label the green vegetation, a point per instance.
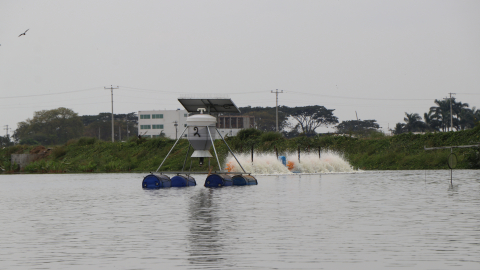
(377, 152)
(440, 118)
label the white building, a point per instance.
(152, 123)
(230, 125)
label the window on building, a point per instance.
(185, 125)
(157, 126)
(146, 136)
(144, 116)
(240, 122)
(145, 127)
(157, 116)
(185, 115)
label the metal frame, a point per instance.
(171, 149)
(230, 150)
(451, 152)
(214, 149)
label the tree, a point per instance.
(47, 127)
(441, 113)
(467, 118)
(5, 141)
(311, 117)
(361, 127)
(399, 129)
(414, 123)
(100, 126)
(431, 123)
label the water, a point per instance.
(269, 164)
(362, 220)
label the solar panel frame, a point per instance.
(212, 105)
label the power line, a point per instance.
(320, 95)
(50, 94)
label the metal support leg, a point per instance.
(186, 156)
(214, 150)
(171, 150)
(230, 150)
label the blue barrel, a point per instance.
(183, 181)
(152, 181)
(283, 159)
(218, 180)
(244, 180)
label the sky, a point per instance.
(371, 59)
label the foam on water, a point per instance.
(265, 163)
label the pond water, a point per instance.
(374, 219)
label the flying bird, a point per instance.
(23, 34)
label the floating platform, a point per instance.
(213, 180)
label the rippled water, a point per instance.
(368, 220)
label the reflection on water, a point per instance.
(204, 235)
(374, 220)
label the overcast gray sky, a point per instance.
(379, 58)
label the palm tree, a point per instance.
(413, 122)
(441, 113)
(430, 122)
(399, 129)
(459, 108)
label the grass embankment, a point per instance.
(401, 152)
(92, 155)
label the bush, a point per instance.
(271, 136)
(248, 133)
(86, 141)
(71, 141)
(29, 141)
(59, 151)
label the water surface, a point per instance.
(388, 219)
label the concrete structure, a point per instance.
(23, 160)
(152, 123)
(230, 125)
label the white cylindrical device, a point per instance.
(198, 135)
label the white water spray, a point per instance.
(269, 164)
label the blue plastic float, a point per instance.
(221, 180)
(244, 180)
(183, 181)
(153, 181)
(218, 180)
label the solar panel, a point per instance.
(214, 105)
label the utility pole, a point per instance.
(175, 123)
(451, 112)
(8, 138)
(126, 121)
(276, 94)
(6, 128)
(111, 89)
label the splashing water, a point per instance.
(264, 163)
